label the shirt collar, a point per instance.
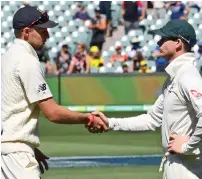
(28, 47)
(178, 62)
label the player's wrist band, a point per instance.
(92, 118)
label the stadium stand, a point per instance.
(74, 31)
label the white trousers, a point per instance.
(19, 165)
(183, 167)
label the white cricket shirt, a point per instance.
(178, 110)
(23, 84)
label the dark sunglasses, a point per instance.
(42, 19)
(165, 39)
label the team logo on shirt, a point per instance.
(196, 94)
(42, 87)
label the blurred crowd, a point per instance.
(88, 59)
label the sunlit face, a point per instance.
(118, 50)
(143, 68)
(167, 47)
(80, 49)
(95, 54)
(36, 36)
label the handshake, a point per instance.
(97, 123)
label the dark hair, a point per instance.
(64, 46)
(139, 56)
(187, 47)
(83, 46)
(17, 33)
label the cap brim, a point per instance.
(164, 32)
(159, 32)
(48, 24)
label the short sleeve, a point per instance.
(33, 80)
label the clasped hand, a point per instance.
(99, 124)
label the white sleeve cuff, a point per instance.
(187, 150)
(111, 123)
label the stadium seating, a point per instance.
(72, 31)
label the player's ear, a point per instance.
(26, 31)
(179, 44)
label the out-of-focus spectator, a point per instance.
(130, 14)
(79, 62)
(161, 63)
(98, 26)
(44, 60)
(135, 43)
(179, 10)
(62, 61)
(125, 68)
(94, 57)
(135, 64)
(157, 6)
(198, 54)
(144, 68)
(105, 8)
(148, 7)
(118, 56)
(82, 14)
(195, 4)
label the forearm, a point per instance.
(138, 123)
(62, 115)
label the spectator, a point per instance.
(94, 57)
(135, 64)
(149, 5)
(82, 14)
(195, 4)
(199, 56)
(62, 61)
(135, 43)
(125, 68)
(157, 6)
(44, 60)
(98, 26)
(26, 3)
(130, 14)
(161, 63)
(79, 62)
(118, 56)
(178, 10)
(144, 68)
(105, 8)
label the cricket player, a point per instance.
(178, 110)
(24, 93)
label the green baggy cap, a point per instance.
(178, 29)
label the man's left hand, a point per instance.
(41, 158)
(175, 143)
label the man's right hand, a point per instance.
(100, 123)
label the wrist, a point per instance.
(90, 119)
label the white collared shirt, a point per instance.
(23, 85)
(178, 110)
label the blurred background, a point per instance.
(103, 56)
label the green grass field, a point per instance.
(75, 140)
(136, 172)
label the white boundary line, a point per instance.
(102, 157)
